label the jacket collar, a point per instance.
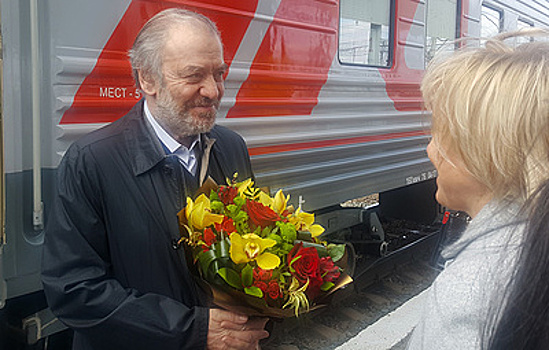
(147, 148)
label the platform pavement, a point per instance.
(389, 332)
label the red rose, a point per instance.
(261, 285)
(262, 275)
(227, 194)
(227, 226)
(261, 215)
(306, 267)
(328, 270)
(273, 290)
(209, 236)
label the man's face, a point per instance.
(186, 101)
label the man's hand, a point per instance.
(228, 330)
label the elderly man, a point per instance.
(110, 269)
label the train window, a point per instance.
(491, 21)
(441, 25)
(364, 32)
(522, 24)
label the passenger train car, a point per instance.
(325, 93)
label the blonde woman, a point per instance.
(490, 145)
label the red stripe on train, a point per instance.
(108, 92)
(465, 17)
(292, 63)
(257, 151)
(402, 82)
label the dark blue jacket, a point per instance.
(110, 271)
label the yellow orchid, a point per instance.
(199, 215)
(280, 202)
(251, 247)
(305, 222)
(265, 199)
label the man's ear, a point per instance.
(147, 83)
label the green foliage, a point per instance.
(239, 202)
(305, 236)
(232, 210)
(242, 227)
(292, 262)
(286, 247)
(247, 275)
(255, 291)
(326, 286)
(240, 217)
(336, 251)
(275, 237)
(266, 231)
(217, 206)
(231, 277)
(287, 231)
(214, 196)
(218, 256)
(205, 259)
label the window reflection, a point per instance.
(364, 32)
(441, 26)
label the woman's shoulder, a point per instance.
(497, 226)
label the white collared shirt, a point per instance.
(187, 156)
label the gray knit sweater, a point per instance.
(479, 265)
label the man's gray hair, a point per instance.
(146, 52)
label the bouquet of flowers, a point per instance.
(256, 253)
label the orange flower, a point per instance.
(227, 226)
(209, 237)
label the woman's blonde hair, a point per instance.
(490, 107)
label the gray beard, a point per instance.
(178, 120)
